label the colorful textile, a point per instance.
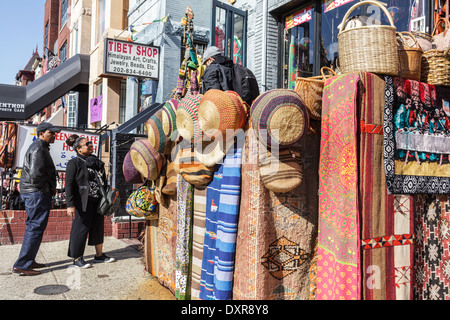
(184, 234)
(386, 220)
(338, 265)
(209, 247)
(277, 231)
(417, 137)
(166, 242)
(198, 239)
(227, 223)
(151, 256)
(432, 250)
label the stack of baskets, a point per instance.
(436, 62)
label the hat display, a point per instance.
(209, 153)
(217, 112)
(169, 119)
(280, 173)
(171, 180)
(130, 173)
(279, 117)
(43, 126)
(211, 52)
(146, 159)
(187, 118)
(156, 134)
(192, 170)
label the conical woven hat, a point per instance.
(146, 159)
(187, 118)
(169, 119)
(217, 113)
(280, 173)
(241, 107)
(130, 173)
(279, 117)
(156, 134)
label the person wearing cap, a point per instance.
(218, 72)
(37, 187)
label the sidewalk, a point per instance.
(125, 279)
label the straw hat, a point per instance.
(282, 114)
(280, 173)
(169, 116)
(217, 112)
(156, 134)
(242, 108)
(130, 173)
(146, 159)
(191, 169)
(187, 118)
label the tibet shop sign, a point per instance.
(130, 59)
(60, 152)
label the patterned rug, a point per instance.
(277, 232)
(432, 251)
(198, 240)
(387, 221)
(166, 242)
(185, 192)
(338, 264)
(417, 137)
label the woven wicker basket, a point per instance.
(436, 65)
(368, 48)
(410, 57)
(311, 89)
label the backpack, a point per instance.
(244, 83)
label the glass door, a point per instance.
(229, 27)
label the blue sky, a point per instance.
(22, 24)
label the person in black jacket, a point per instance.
(218, 72)
(37, 187)
(82, 197)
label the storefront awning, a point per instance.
(20, 103)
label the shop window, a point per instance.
(230, 25)
(123, 101)
(298, 48)
(408, 15)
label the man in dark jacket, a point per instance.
(219, 70)
(37, 187)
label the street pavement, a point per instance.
(124, 279)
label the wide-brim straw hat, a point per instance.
(156, 134)
(146, 159)
(279, 117)
(280, 172)
(169, 119)
(242, 108)
(130, 173)
(187, 122)
(217, 112)
(209, 153)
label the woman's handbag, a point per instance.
(110, 200)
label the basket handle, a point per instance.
(447, 25)
(409, 34)
(328, 69)
(374, 2)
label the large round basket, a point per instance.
(368, 48)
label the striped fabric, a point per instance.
(209, 248)
(227, 223)
(198, 239)
(184, 233)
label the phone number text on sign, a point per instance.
(130, 59)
